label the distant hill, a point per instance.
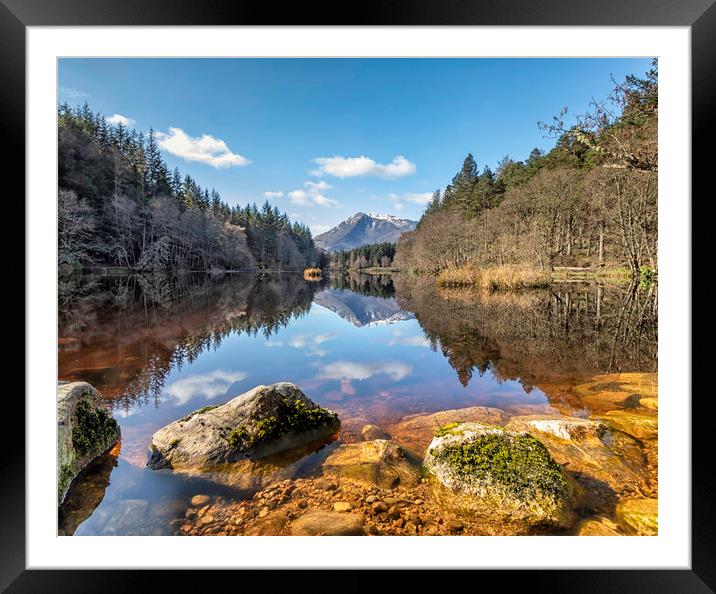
(363, 229)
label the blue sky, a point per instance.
(325, 138)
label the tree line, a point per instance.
(118, 204)
(590, 201)
(366, 256)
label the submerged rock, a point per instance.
(261, 422)
(511, 476)
(85, 430)
(380, 463)
(619, 390)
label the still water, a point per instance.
(373, 348)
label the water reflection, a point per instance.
(374, 349)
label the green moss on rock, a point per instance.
(445, 429)
(519, 463)
(93, 430)
(292, 416)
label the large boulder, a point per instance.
(85, 430)
(261, 422)
(510, 476)
(379, 463)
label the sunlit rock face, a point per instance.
(261, 422)
(85, 430)
(487, 470)
(380, 463)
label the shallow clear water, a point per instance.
(160, 348)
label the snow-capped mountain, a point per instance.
(363, 229)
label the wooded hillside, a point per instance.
(120, 205)
(590, 201)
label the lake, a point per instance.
(374, 348)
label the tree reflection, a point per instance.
(125, 335)
(568, 331)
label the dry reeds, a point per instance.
(498, 278)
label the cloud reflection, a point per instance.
(350, 370)
(210, 385)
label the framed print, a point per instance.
(421, 281)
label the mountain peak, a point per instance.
(363, 229)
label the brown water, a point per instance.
(375, 349)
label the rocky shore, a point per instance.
(474, 471)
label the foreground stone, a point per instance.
(326, 523)
(85, 430)
(261, 422)
(639, 516)
(511, 476)
(380, 463)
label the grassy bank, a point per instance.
(499, 278)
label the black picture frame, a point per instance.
(700, 15)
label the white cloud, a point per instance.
(204, 149)
(72, 93)
(299, 197)
(350, 370)
(318, 186)
(322, 200)
(356, 166)
(400, 200)
(210, 385)
(118, 118)
(273, 194)
(312, 195)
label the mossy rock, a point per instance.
(264, 421)
(484, 469)
(639, 516)
(85, 430)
